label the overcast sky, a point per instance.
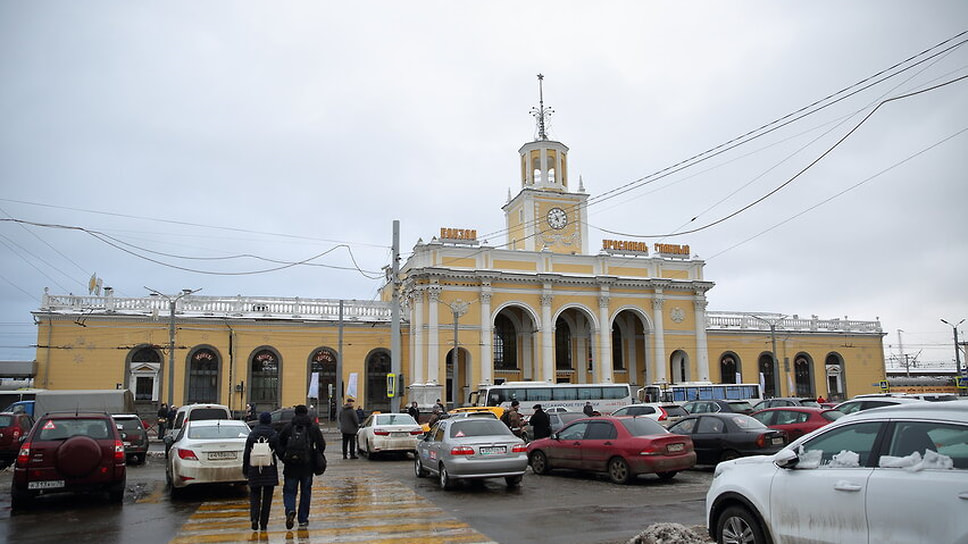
(286, 130)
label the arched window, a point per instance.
(323, 364)
(768, 370)
(563, 360)
(144, 382)
(729, 368)
(264, 380)
(618, 360)
(505, 344)
(803, 370)
(377, 368)
(203, 376)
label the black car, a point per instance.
(723, 436)
(281, 418)
(133, 435)
(718, 405)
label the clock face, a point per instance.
(557, 218)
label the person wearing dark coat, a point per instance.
(262, 480)
(540, 423)
(349, 423)
(298, 477)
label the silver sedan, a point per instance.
(471, 448)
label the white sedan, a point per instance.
(384, 433)
(205, 452)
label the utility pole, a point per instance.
(772, 325)
(395, 364)
(900, 347)
(172, 304)
(459, 308)
(958, 369)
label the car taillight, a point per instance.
(520, 448)
(663, 415)
(187, 454)
(462, 450)
(16, 433)
(24, 456)
(119, 451)
(381, 432)
(649, 450)
(417, 432)
(761, 441)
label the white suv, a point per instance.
(892, 474)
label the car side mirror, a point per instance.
(786, 458)
(554, 436)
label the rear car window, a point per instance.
(675, 411)
(394, 419)
(643, 426)
(478, 427)
(129, 424)
(6, 421)
(741, 405)
(207, 413)
(218, 431)
(61, 429)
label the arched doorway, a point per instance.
(264, 379)
(768, 375)
(803, 373)
(377, 368)
(322, 365)
(144, 364)
(729, 368)
(203, 373)
(630, 347)
(836, 381)
(575, 347)
(458, 385)
(679, 366)
(513, 344)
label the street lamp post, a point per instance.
(772, 325)
(459, 308)
(172, 304)
(957, 353)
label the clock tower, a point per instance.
(544, 214)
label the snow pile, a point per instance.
(914, 462)
(671, 533)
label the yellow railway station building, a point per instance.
(541, 306)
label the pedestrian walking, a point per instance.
(299, 443)
(414, 411)
(540, 423)
(514, 420)
(172, 410)
(349, 423)
(162, 419)
(259, 466)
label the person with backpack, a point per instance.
(259, 466)
(349, 423)
(301, 443)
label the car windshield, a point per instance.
(61, 429)
(746, 422)
(394, 419)
(198, 414)
(129, 424)
(643, 426)
(218, 431)
(478, 427)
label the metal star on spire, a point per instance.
(541, 113)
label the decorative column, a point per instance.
(660, 358)
(603, 372)
(433, 335)
(487, 336)
(702, 349)
(547, 338)
(416, 331)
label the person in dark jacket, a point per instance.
(414, 411)
(588, 410)
(349, 423)
(299, 476)
(262, 480)
(540, 423)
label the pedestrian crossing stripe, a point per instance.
(347, 507)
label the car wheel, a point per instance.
(737, 525)
(20, 499)
(418, 469)
(446, 482)
(666, 476)
(116, 492)
(141, 458)
(512, 481)
(618, 471)
(728, 455)
(539, 463)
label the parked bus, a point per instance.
(605, 397)
(686, 391)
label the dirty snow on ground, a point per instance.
(671, 533)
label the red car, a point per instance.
(622, 447)
(12, 427)
(796, 421)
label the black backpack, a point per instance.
(298, 448)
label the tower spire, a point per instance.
(541, 113)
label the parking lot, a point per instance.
(371, 501)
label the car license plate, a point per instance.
(400, 434)
(491, 450)
(127, 443)
(778, 441)
(221, 455)
(676, 447)
(46, 484)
